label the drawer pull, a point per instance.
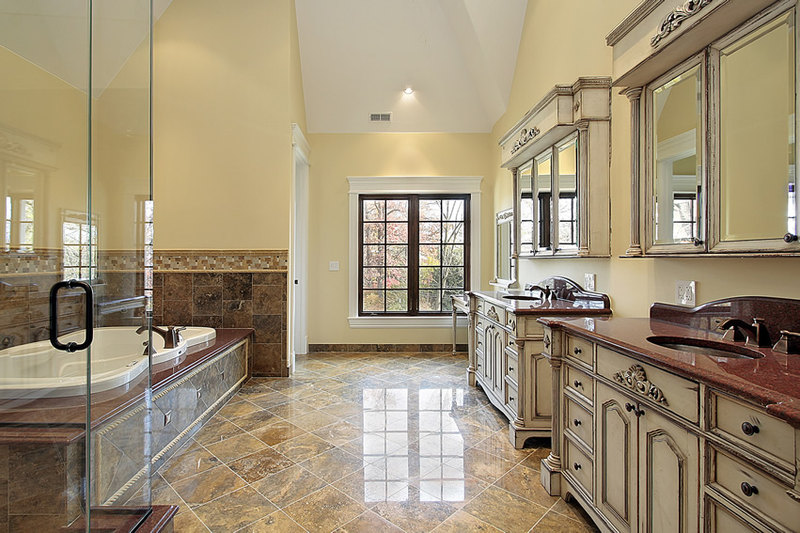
(749, 429)
(576, 466)
(748, 489)
(511, 369)
(577, 351)
(577, 384)
(510, 398)
(576, 422)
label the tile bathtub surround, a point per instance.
(229, 300)
(361, 442)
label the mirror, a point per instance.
(526, 221)
(568, 194)
(676, 133)
(505, 273)
(757, 131)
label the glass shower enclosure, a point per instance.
(75, 264)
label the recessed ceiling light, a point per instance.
(408, 90)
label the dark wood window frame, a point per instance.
(413, 250)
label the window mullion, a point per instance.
(413, 254)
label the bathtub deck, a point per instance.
(62, 420)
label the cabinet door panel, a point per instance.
(544, 386)
(668, 476)
(616, 458)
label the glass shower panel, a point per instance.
(75, 181)
(44, 132)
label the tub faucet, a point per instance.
(171, 335)
(755, 334)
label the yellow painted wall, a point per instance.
(223, 109)
(298, 101)
(633, 284)
(38, 105)
(337, 156)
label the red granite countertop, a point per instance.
(64, 419)
(772, 381)
(580, 306)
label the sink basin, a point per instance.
(520, 297)
(706, 347)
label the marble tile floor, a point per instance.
(361, 442)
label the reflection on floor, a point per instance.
(361, 442)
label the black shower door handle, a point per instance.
(71, 346)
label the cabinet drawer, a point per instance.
(579, 383)
(511, 322)
(578, 465)
(722, 520)
(766, 495)
(642, 380)
(579, 421)
(512, 365)
(495, 313)
(511, 345)
(733, 421)
(579, 349)
(512, 397)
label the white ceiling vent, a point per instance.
(380, 117)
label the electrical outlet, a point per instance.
(589, 281)
(167, 418)
(685, 292)
(333, 266)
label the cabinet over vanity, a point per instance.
(668, 424)
(506, 345)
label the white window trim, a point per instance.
(412, 185)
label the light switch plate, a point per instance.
(333, 266)
(685, 292)
(589, 281)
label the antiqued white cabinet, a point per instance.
(645, 450)
(506, 350)
(647, 468)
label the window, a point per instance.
(414, 253)
(18, 226)
(79, 238)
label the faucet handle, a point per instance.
(789, 343)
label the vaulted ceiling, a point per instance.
(357, 56)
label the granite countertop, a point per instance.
(579, 306)
(772, 381)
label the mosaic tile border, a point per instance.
(393, 348)
(228, 260)
(49, 260)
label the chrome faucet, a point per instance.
(171, 335)
(755, 334)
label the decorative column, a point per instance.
(523, 362)
(635, 95)
(583, 187)
(471, 344)
(514, 225)
(551, 465)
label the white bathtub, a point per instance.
(37, 370)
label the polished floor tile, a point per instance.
(389, 442)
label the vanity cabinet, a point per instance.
(511, 369)
(506, 351)
(644, 449)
